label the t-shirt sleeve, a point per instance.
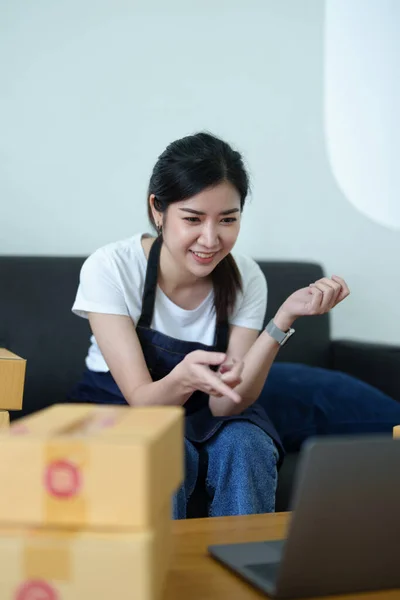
(99, 289)
(251, 304)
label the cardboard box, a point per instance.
(80, 565)
(12, 380)
(91, 466)
(4, 419)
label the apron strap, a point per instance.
(149, 298)
(150, 284)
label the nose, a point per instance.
(208, 237)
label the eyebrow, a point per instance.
(230, 211)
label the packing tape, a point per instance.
(102, 419)
(47, 556)
(65, 466)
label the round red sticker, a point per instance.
(62, 479)
(36, 590)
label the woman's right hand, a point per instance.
(194, 373)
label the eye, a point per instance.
(191, 219)
(229, 220)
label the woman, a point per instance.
(176, 321)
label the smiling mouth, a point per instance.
(204, 254)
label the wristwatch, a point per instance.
(277, 334)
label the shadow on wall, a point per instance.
(362, 127)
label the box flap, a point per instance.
(7, 355)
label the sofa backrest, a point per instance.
(311, 343)
(36, 322)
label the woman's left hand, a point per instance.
(317, 299)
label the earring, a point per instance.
(159, 228)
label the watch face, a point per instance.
(287, 336)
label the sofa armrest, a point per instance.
(376, 364)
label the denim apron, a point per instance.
(162, 353)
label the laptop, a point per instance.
(344, 533)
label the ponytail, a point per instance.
(227, 281)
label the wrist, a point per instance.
(178, 384)
(283, 320)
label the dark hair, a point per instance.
(187, 167)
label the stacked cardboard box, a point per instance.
(85, 507)
(12, 379)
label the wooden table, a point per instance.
(196, 576)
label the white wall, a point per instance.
(362, 96)
(92, 92)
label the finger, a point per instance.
(328, 293)
(239, 366)
(330, 288)
(207, 358)
(237, 372)
(316, 299)
(233, 384)
(334, 284)
(231, 379)
(220, 387)
(345, 291)
(236, 367)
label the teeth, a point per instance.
(202, 255)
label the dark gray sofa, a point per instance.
(36, 295)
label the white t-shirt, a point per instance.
(112, 281)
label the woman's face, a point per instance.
(199, 232)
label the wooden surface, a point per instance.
(196, 576)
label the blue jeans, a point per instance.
(242, 472)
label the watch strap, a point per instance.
(277, 334)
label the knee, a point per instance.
(246, 441)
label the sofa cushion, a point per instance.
(36, 296)
(304, 401)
